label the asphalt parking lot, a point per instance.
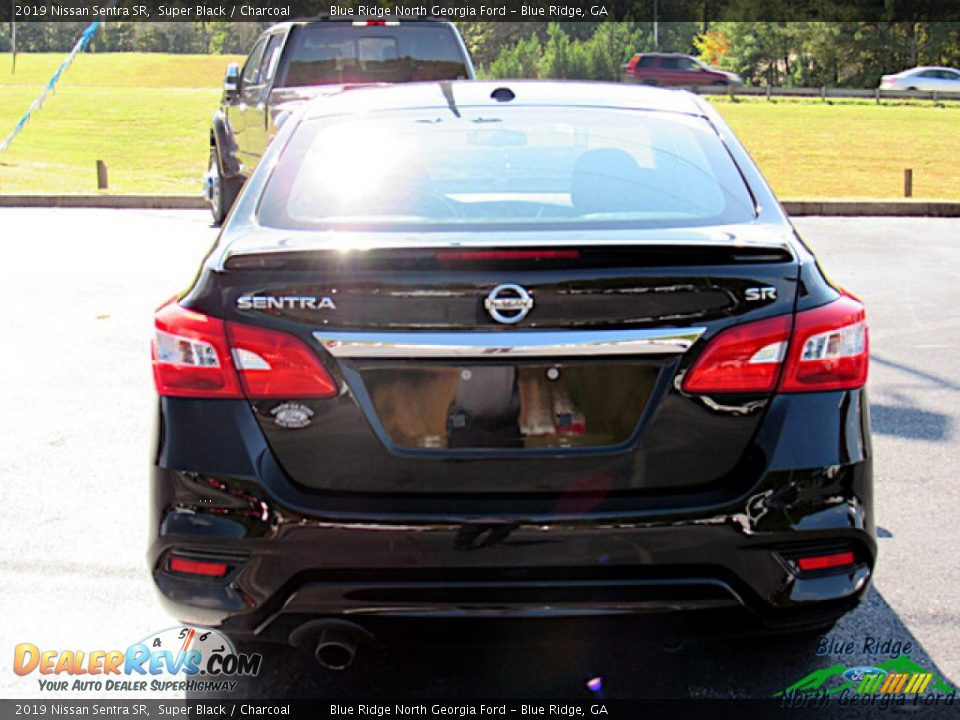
(81, 286)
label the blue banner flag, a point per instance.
(38, 103)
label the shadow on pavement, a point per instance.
(943, 382)
(555, 660)
(909, 423)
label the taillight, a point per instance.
(827, 350)
(195, 355)
(190, 355)
(830, 348)
(745, 358)
(275, 365)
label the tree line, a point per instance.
(835, 54)
(780, 54)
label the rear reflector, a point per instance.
(206, 568)
(195, 355)
(826, 349)
(825, 562)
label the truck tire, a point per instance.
(222, 191)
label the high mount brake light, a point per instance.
(195, 355)
(487, 255)
(827, 349)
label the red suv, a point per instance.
(673, 69)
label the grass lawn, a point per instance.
(147, 117)
(850, 149)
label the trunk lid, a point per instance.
(572, 389)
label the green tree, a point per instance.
(518, 61)
(486, 41)
(612, 45)
(562, 58)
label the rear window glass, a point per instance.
(505, 165)
(337, 53)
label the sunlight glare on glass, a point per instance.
(354, 162)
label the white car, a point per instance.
(925, 78)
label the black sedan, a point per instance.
(512, 350)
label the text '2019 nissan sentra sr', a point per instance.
(516, 350)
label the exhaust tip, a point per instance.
(335, 642)
(335, 653)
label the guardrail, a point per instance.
(824, 93)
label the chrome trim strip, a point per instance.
(532, 343)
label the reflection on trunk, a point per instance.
(510, 406)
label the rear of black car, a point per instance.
(511, 392)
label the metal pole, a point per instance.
(13, 35)
(656, 28)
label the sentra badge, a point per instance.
(285, 302)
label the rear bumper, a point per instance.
(294, 555)
(535, 572)
(497, 570)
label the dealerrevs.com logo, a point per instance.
(183, 658)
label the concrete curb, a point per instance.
(122, 202)
(873, 208)
(843, 208)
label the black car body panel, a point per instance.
(390, 412)
(550, 463)
(612, 553)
